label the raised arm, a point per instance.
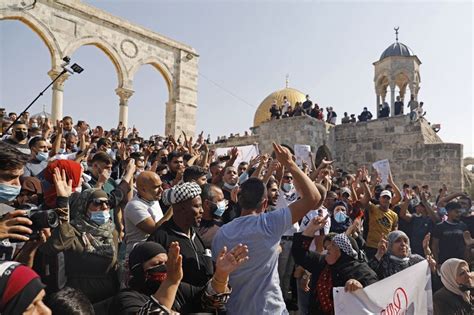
(367, 194)
(310, 195)
(397, 197)
(404, 214)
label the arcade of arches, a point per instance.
(66, 25)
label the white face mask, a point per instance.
(324, 252)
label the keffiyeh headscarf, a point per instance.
(449, 271)
(19, 286)
(344, 244)
(180, 193)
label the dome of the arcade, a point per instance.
(397, 49)
(263, 111)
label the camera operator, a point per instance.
(13, 223)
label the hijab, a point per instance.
(73, 172)
(19, 286)
(141, 253)
(97, 239)
(449, 271)
(392, 237)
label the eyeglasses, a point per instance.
(288, 177)
(98, 202)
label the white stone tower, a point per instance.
(397, 67)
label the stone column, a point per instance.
(377, 102)
(58, 92)
(392, 98)
(124, 94)
(180, 117)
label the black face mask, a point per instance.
(154, 277)
(21, 135)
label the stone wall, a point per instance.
(416, 153)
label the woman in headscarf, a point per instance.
(148, 270)
(393, 255)
(341, 266)
(340, 220)
(21, 290)
(90, 245)
(73, 171)
(455, 297)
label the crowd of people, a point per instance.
(307, 108)
(98, 221)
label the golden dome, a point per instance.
(263, 111)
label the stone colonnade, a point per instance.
(66, 25)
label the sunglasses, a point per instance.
(288, 177)
(98, 202)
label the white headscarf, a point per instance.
(449, 271)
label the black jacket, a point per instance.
(344, 269)
(197, 261)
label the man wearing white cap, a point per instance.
(382, 220)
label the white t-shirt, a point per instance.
(284, 200)
(308, 217)
(135, 212)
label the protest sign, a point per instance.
(302, 154)
(383, 168)
(246, 153)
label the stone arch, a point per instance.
(108, 49)
(40, 29)
(158, 65)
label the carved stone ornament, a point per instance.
(129, 48)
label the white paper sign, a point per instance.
(246, 153)
(407, 292)
(383, 168)
(302, 154)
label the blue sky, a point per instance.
(247, 47)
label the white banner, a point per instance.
(407, 292)
(302, 154)
(246, 153)
(383, 168)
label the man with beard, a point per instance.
(19, 138)
(273, 193)
(187, 214)
(149, 268)
(176, 169)
(214, 206)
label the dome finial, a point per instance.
(396, 32)
(287, 81)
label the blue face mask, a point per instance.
(340, 217)
(9, 192)
(229, 186)
(287, 187)
(62, 151)
(442, 211)
(135, 147)
(100, 217)
(221, 206)
(42, 156)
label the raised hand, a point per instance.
(14, 224)
(174, 265)
(316, 224)
(228, 261)
(283, 155)
(61, 183)
(382, 248)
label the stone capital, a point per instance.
(124, 94)
(59, 84)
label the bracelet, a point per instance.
(219, 282)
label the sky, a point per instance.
(246, 49)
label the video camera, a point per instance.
(41, 219)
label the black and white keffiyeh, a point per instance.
(344, 244)
(181, 192)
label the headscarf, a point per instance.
(138, 256)
(449, 271)
(73, 172)
(180, 193)
(19, 286)
(98, 238)
(345, 245)
(392, 237)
